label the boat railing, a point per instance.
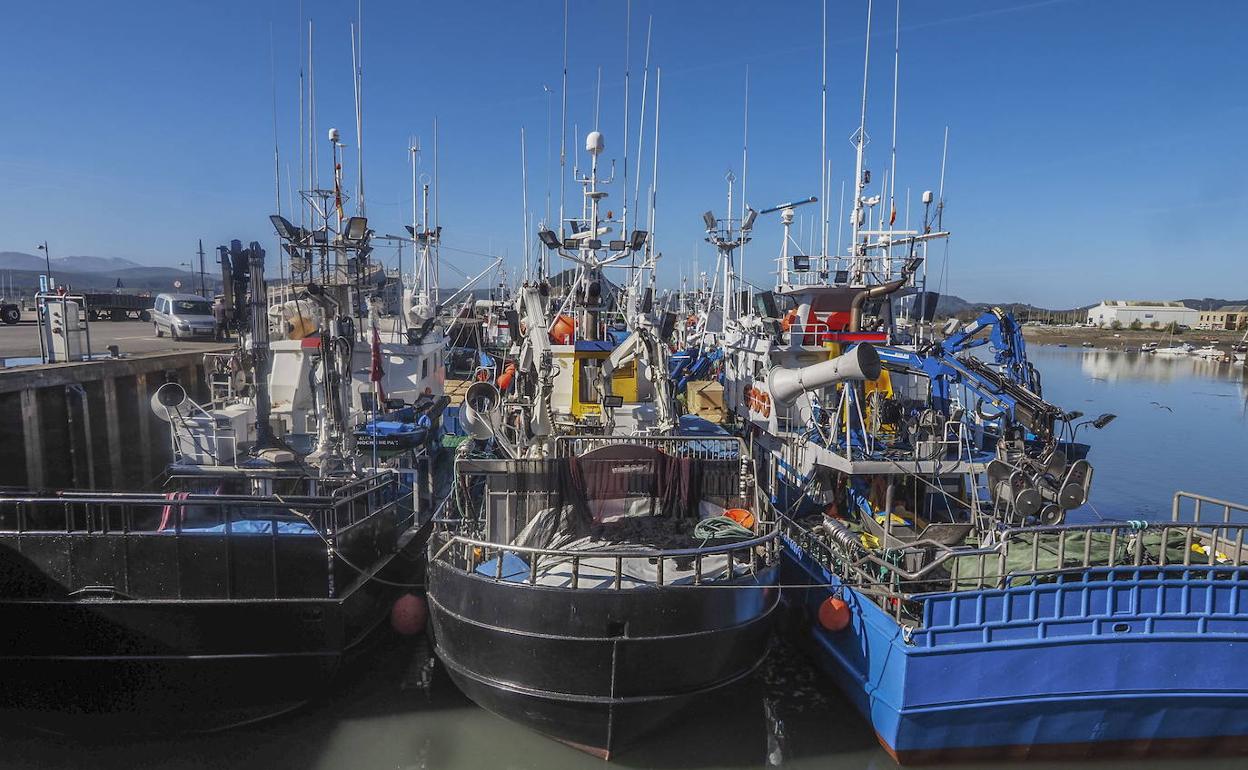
(694, 447)
(200, 545)
(331, 509)
(895, 578)
(1189, 506)
(470, 554)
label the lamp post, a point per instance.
(47, 256)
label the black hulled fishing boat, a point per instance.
(244, 585)
(590, 596)
(600, 567)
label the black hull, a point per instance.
(138, 667)
(597, 669)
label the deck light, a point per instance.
(638, 239)
(709, 219)
(357, 228)
(549, 238)
(284, 227)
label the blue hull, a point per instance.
(1112, 663)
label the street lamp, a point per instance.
(47, 255)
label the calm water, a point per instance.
(1200, 444)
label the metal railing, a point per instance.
(330, 508)
(1200, 504)
(204, 546)
(469, 553)
(1022, 555)
(697, 448)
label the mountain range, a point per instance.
(19, 274)
(17, 260)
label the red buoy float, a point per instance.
(409, 615)
(834, 614)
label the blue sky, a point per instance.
(1096, 149)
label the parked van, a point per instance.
(183, 316)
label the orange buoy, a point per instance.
(741, 516)
(561, 332)
(504, 379)
(834, 614)
(409, 615)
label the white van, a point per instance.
(183, 315)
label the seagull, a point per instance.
(1161, 406)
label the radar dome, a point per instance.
(593, 143)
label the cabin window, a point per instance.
(424, 367)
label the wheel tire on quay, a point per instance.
(145, 316)
(10, 315)
(156, 326)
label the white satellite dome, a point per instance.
(594, 143)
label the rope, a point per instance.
(720, 528)
(338, 554)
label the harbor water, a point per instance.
(1182, 424)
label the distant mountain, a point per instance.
(1211, 303)
(133, 279)
(16, 260)
(19, 260)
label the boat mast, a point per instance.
(861, 177)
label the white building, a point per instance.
(1126, 311)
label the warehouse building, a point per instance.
(1227, 317)
(1126, 312)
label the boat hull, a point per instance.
(596, 669)
(1119, 664)
(199, 665)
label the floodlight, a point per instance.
(709, 219)
(1103, 420)
(571, 243)
(357, 228)
(594, 243)
(549, 238)
(841, 276)
(750, 216)
(618, 245)
(284, 227)
(801, 264)
(638, 239)
(913, 263)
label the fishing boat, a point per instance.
(927, 494)
(603, 564)
(290, 521)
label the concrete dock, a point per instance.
(89, 425)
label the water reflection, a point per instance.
(1116, 365)
(1183, 424)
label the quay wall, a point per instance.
(89, 425)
